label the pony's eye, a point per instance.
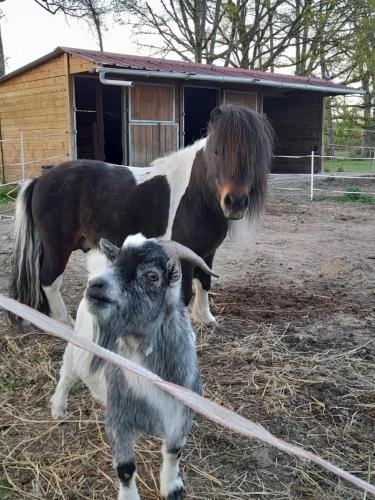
(152, 276)
(216, 152)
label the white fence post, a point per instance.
(312, 177)
(22, 156)
(373, 160)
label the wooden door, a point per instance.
(246, 98)
(153, 129)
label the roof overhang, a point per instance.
(104, 70)
(57, 52)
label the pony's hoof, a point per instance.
(203, 317)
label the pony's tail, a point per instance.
(27, 256)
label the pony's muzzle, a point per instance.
(234, 205)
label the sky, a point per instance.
(29, 32)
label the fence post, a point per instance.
(312, 177)
(373, 160)
(22, 156)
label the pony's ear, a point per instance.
(109, 249)
(174, 270)
(215, 114)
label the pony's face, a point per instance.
(238, 154)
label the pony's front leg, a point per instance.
(56, 303)
(187, 282)
(51, 274)
(171, 484)
(201, 308)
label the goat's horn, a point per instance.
(185, 253)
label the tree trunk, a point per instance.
(328, 122)
(2, 57)
(367, 132)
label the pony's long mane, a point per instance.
(244, 139)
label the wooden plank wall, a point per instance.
(237, 97)
(151, 102)
(35, 102)
(39, 103)
(148, 140)
(152, 141)
(297, 121)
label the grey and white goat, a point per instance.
(133, 306)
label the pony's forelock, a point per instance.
(244, 140)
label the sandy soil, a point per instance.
(295, 351)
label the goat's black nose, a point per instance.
(97, 284)
(97, 289)
(235, 202)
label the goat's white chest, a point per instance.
(166, 406)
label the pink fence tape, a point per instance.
(209, 409)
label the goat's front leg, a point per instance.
(171, 484)
(59, 400)
(126, 471)
(122, 444)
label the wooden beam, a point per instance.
(99, 122)
(2, 170)
(69, 104)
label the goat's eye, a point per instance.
(152, 276)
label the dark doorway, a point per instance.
(98, 120)
(85, 103)
(198, 104)
(112, 124)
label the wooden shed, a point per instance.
(123, 109)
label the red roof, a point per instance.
(190, 69)
(156, 65)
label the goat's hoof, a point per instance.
(175, 490)
(59, 413)
(175, 495)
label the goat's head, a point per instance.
(142, 279)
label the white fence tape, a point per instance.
(209, 409)
(35, 161)
(313, 175)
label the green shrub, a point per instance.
(8, 193)
(353, 193)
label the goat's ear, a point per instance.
(109, 249)
(174, 270)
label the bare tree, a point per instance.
(187, 28)
(2, 55)
(92, 11)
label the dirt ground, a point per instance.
(294, 351)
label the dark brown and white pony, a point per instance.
(192, 196)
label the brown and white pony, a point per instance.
(193, 196)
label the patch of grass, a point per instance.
(349, 165)
(10, 385)
(354, 195)
(5, 490)
(8, 193)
